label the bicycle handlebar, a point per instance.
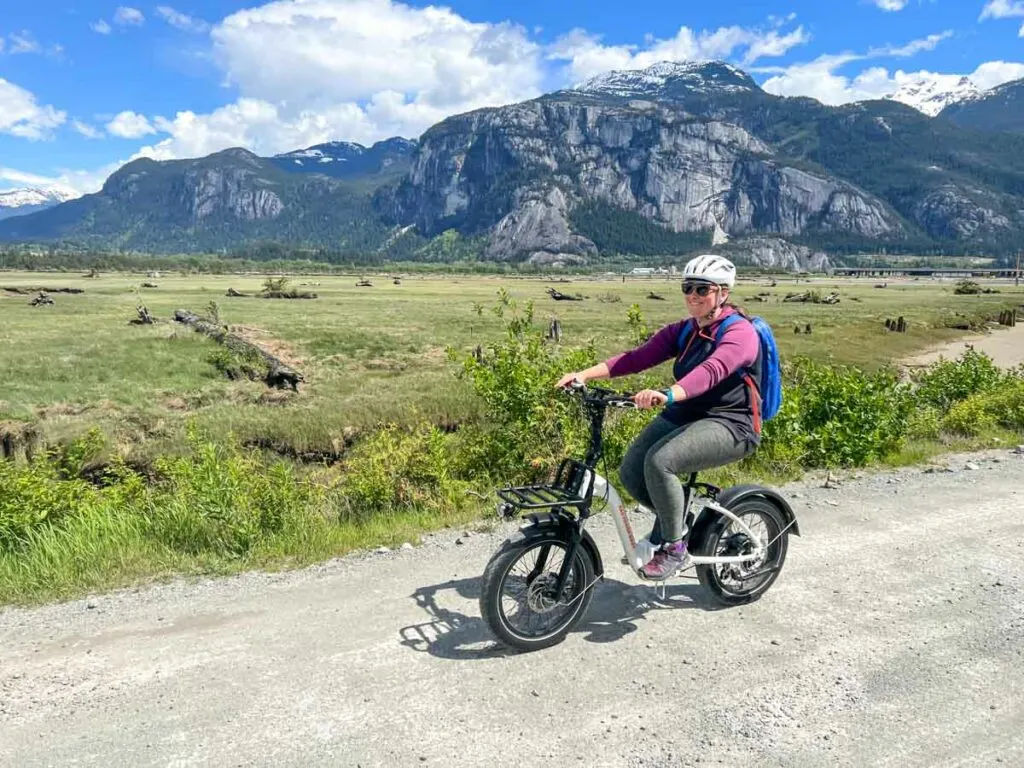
(600, 396)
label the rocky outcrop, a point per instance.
(777, 253)
(514, 172)
(235, 191)
(947, 212)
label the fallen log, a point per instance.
(559, 296)
(292, 294)
(277, 375)
(233, 292)
(26, 290)
(655, 297)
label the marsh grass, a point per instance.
(378, 385)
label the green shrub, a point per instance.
(35, 497)
(950, 381)
(222, 500)
(393, 470)
(983, 412)
(533, 422)
(840, 416)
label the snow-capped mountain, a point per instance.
(934, 93)
(345, 158)
(18, 202)
(668, 78)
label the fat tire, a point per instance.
(497, 570)
(709, 545)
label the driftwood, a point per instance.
(42, 298)
(38, 289)
(364, 284)
(149, 285)
(555, 330)
(144, 317)
(559, 296)
(899, 325)
(1008, 317)
(292, 294)
(813, 298)
(655, 297)
(278, 375)
(233, 292)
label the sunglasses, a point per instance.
(702, 289)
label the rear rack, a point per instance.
(573, 486)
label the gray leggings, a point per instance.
(664, 451)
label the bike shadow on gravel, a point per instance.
(613, 614)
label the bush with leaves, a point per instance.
(396, 469)
(224, 500)
(841, 416)
(949, 381)
(532, 422)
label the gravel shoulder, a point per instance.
(893, 637)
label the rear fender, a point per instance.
(556, 526)
(736, 494)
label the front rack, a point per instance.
(573, 486)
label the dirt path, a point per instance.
(894, 637)
(1004, 345)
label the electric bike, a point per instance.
(539, 583)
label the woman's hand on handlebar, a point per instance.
(649, 398)
(568, 379)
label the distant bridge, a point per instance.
(963, 272)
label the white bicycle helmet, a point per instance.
(710, 268)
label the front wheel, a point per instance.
(738, 583)
(517, 597)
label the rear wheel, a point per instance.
(739, 583)
(517, 597)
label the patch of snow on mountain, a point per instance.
(931, 94)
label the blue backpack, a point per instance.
(770, 386)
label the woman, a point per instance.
(711, 416)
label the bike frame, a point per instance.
(628, 539)
(577, 483)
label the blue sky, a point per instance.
(85, 89)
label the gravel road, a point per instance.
(893, 637)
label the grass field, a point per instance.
(370, 354)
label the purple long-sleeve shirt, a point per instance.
(739, 347)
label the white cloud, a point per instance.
(129, 125)
(126, 16)
(818, 79)
(586, 56)
(89, 131)
(891, 5)
(993, 73)
(314, 70)
(1002, 9)
(23, 43)
(181, 20)
(21, 115)
(100, 26)
(78, 182)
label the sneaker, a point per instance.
(666, 561)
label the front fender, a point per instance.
(556, 526)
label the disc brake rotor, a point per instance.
(540, 594)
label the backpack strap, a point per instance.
(687, 327)
(725, 324)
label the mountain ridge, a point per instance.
(682, 148)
